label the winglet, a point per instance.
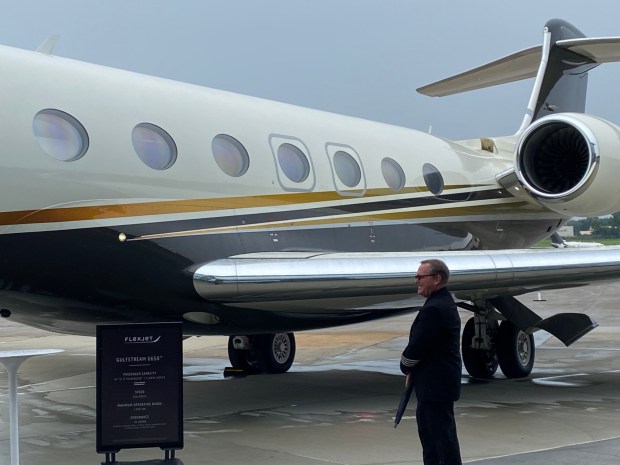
(47, 46)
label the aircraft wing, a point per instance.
(480, 274)
(355, 282)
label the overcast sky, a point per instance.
(357, 57)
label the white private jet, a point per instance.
(558, 242)
(130, 198)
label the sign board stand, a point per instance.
(140, 390)
(110, 459)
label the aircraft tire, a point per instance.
(478, 363)
(241, 358)
(515, 351)
(275, 353)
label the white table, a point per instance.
(12, 359)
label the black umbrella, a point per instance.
(402, 406)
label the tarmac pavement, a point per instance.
(336, 405)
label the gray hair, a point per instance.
(439, 268)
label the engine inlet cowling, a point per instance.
(556, 156)
(570, 162)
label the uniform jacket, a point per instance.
(434, 342)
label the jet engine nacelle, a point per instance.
(570, 162)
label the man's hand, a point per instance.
(408, 380)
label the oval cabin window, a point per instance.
(347, 169)
(154, 146)
(60, 135)
(230, 155)
(293, 163)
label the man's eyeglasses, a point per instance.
(420, 276)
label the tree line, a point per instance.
(606, 227)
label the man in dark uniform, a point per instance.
(432, 362)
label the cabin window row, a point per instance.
(64, 138)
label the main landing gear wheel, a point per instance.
(241, 358)
(478, 363)
(515, 351)
(268, 353)
(275, 352)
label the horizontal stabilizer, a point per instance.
(522, 65)
(599, 50)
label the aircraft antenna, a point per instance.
(47, 46)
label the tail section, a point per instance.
(560, 65)
(562, 78)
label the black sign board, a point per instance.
(139, 386)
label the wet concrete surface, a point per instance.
(337, 403)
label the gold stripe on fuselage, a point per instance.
(64, 214)
(466, 211)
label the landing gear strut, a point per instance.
(486, 343)
(267, 353)
(479, 358)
